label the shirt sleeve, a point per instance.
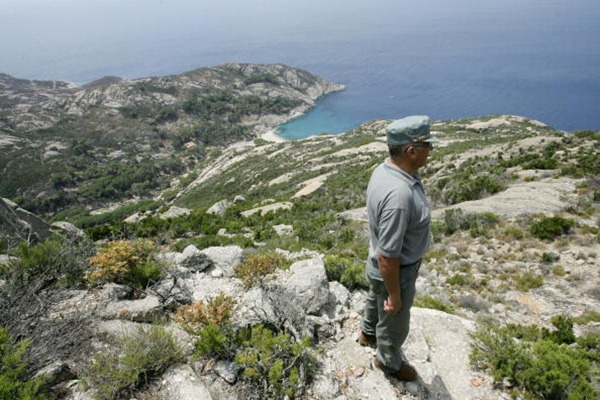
(392, 228)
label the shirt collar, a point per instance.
(411, 179)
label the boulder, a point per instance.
(193, 259)
(180, 382)
(283, 229)
(174, 212)
(307, 279)
(218, 208)
(69, 229)
(172, 293)
(225, 258)
(148, 309)
(17, 225)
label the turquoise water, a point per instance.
(447, 59)
(321, 119)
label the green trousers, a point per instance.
(391, 330)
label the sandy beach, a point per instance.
(272, 136)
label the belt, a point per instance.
(415, 264)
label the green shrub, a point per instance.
(477, 224)
(473, 189)
(136, 358)
(556, 372)
(528, 281)
(460, 280)
(541, 163)
(125, 262)
(255, 268)
(15, 381)
(274, 362)
(344, 270)
(56, 260)
(550, 258)
(549, 228)
(539, 363)
(433, 303)
(216, 310)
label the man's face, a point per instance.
(419, 153)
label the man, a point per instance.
(399, 227)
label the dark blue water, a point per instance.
(446, 58)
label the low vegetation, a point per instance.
(256, 267)
(275, 364)
(539, 363)
(131, 361)
(125, 262)
(16, 381)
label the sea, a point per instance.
(447, 59)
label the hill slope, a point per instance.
(65, 145)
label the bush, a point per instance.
(344, 270)
(549, 228)
(528, 281)
(15, 381)
(255, 268)
(135, 359)
(549, 258)
(34, 285)
(211, 321)
(477, 223)
(56, 260)
(216, 310)
(433, 303)
(460, 280)
(540, 363)
(274, 362)
(473, 189)
(125, 262)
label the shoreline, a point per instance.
(272, 136)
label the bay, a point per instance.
(445, 58)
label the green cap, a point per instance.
(408, 130)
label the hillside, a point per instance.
(272, 234)
(66, 146)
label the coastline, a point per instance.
(272, 136)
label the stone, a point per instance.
(180, 382)
(115, 292)
(69, 229)
(283, 229)
(147, 309)
(193, 259)
(227, 370)
(308, 281)
(226, 258)
(218, 208)
(174, 212)
(17, 225)
(172, 293)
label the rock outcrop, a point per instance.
(303, 300)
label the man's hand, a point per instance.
(390, 272)
(392, 305)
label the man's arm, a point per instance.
(390, 272)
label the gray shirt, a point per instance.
(398, 217)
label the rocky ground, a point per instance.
(481, 275)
